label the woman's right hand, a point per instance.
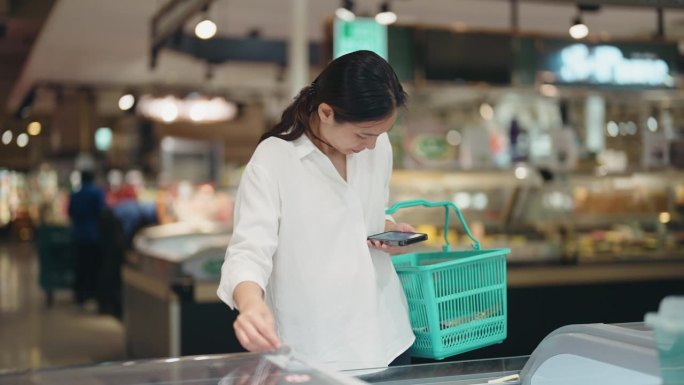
(254, 326)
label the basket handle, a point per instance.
(446, 204)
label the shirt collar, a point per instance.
(303, 146)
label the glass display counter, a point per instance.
(578, 242)
(635, 217)
(170, 302)
(257, 369)
(566, 218)
(586, 354)
(488, 201)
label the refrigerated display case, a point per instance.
(609, 218)
(578, 242)
(488, 201)
(170, 302)
(633, 217)
(566, 218)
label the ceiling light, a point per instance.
(613, 129)
(578, 30)
(126, 102)
(205, 29)
(346, 11)
(22, 140)
(197, 112)
(168, 109)
(631, 128)
(192, 109)
(34, 128)
(385, 16)
(7, 137)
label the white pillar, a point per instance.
(298, 50)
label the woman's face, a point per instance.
(349, 138)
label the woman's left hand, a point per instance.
(393, 250)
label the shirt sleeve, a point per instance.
(255, 233)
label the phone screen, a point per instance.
(398, 238)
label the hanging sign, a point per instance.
(626, 64)
(605, 64)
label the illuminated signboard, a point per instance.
(606, 64)
(361, 33)
(609, 65)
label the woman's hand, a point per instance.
(254, 326)
(392, 250)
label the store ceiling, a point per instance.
(105, 43)
(20, 23)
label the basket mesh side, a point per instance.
(470, 305)
(414, 297)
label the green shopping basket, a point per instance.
(456, 299)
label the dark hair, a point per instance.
(87, 176)
(359, 86)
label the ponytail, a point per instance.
(295, 119)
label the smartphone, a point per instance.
(398, 238)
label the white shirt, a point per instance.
(300, 233)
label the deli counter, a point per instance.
(578, 241)
(565, 218)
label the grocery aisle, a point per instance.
(32, 335)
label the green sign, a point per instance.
(359, 34)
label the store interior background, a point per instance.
(587, 183)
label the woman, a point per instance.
(299, 267)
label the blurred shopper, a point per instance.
(123, 199)
(85, 208)
(119, 223)
(117, 190)
(133, 216)
(298, 266)
(109, 296)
